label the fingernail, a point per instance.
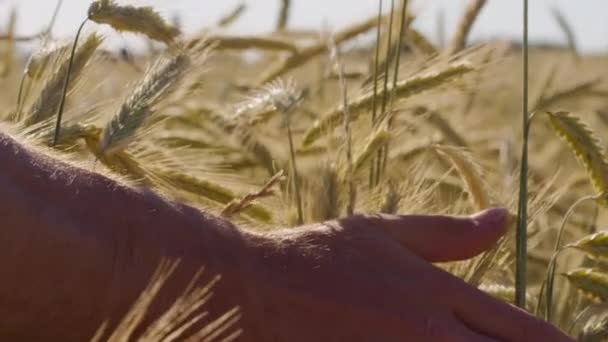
(494, 216)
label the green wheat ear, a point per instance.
(591, 282)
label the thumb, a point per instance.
(446, 238)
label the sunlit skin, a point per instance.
(78, 248)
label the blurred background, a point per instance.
(499, 19)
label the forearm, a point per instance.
(78, 248)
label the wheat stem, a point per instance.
(550, 277)
(372, 170)
(66, 84)
(402, 33)
(387, 65)
(283, 15)
(294, 174)
(522, 212)
(20, 96)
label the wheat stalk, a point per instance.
(283, 19)
(252, 42)
(8, 55)
(521, 233)
(233, 15)
(348, 144)
(566, 28)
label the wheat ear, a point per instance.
(403, 89)
(587, 148)
(590, 282)
(596, 245)
(464, 27)
(50, 98)
(470, 174)
(137, 109)
(143, 20)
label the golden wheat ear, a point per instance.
(587, 148)
(50, 99)
(402, 90)
(142, 20)
(469, 172)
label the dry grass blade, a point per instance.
(135, 316)
(143, 20)
(464, 27)
(218, 328)
(404, 89)
(470, 174)
(210, 191)
(590, 282)
(183, 314)
(237, 206)
(49, 100)
(587, 148)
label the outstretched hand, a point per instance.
(370, 279)
(78, 248)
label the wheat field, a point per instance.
(315, 125)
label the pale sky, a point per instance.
(500, 18)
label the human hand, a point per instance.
(370, 279)
(356, 279)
